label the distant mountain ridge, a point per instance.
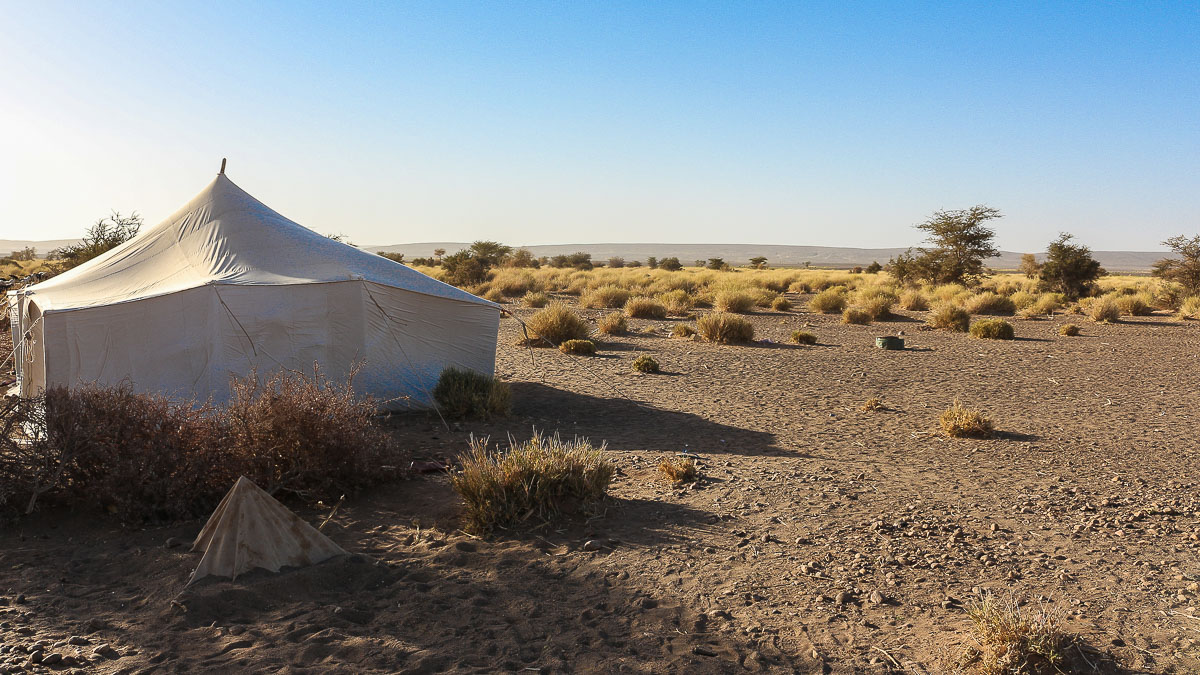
(688, 254)
(776, 254)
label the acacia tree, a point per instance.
(1186, 269)
(1070, 268)
(960, 242)
(758, 262)
(1030, 266)
(106, 234)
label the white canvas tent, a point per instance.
(226, 285)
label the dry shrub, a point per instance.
(1190, 308)
(535, 299)
(150, 458)
(613, 324)
(800, 287)
(828, 301)
(578, 347)
(1068, 329)
(856, 315)
(875, 301)
(781, 304)
(555, 325)
(683, 330)
(645, 308)
(680, 471)
(949, 317)
(494, 295)
(1022, 299)
(873, 403)
(734, 301)
(992, 329)
(1135, 305)
(948, 292)
(461, 393)
(802, 337)
(989, 303)
(959, 422)
(535, 481)
(645, 364)
(724, 328)
(1013, 640)
(1103, 309)
(914, 301)
(677, 302)
(605, 297)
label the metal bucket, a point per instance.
(889, 342)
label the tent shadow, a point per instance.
(627, 425)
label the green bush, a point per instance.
(466, 393)
(992, 329)
(645, 364)
(581, 347)
(724, 328)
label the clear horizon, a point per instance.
(817, 125)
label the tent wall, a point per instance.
(192, 342)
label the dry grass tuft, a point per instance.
(1104, 310)
(555, 325)
(683, 330)
(1017, 641)
(613, 324)
(803, 337)
(992, 329)
(828, 301)
(677, 302)
(580, 347)
(914, 301)
(680, 471)
(873, 403)
(535, 299)
(645, 308)
(724, 328)
(537, 480)
(959, 422)
(989, 303)
(1190, 308)
(734, 301)
(1138, 304)
(494, 295)
(949, 317)
(856, 315)
(605, 297)
(781, 304)
(1068, 329)
(645, 364)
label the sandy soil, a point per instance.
(1087, 498)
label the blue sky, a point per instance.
(837, 124)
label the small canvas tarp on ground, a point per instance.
(226, 285)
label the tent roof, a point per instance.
(225, 236)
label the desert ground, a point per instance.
(822, 537)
